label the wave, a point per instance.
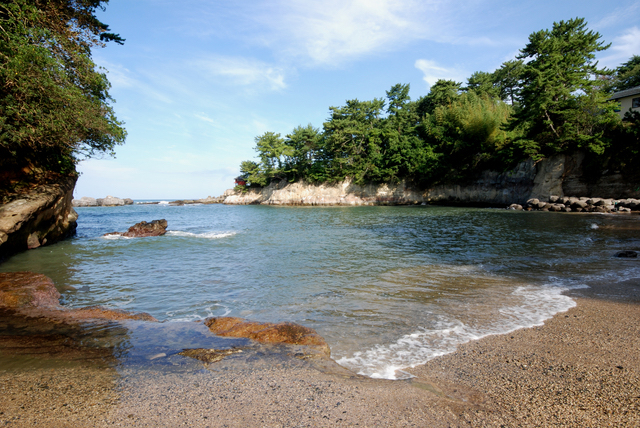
(206, 235)
(114, 237)
(536, 304)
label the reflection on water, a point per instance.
(388, 287)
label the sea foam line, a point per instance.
(384, 361)
(206, 235)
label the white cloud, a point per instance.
(622, 48)
(433, 71)
(244, 71)
(332, 31)
(618, 15)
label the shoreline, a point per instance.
(581, 368)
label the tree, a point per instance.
(54, 101)
(561, 108)
(626, 76)
(442, 92)
(481, 83)
(352, 138)
(507, 79)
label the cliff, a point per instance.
(42, 215)
(560, 175)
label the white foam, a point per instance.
(163, 203)
(386, 361)
(206, 235)
(114, 237)
(594, 226)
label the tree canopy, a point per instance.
(54, 102)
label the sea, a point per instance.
(388, 287)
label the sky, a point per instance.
(197, 80)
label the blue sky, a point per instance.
(198, 80)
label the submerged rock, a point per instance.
(144, 229)
(281, 333)
(20, 290)
(35, 294)
(209, 355)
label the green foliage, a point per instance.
(626, 76)
(508, 80)
(441, 93)
(561, 108)
(54, 102)
(483, 83)
(466, 134)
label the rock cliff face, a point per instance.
(556, 176)
(42, 216)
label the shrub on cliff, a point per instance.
(54, 101)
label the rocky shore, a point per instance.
(580, 369)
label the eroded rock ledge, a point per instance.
(562, 175)
(42, 216)
(34, 294)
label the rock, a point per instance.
(566, 210)
(43, 216)
(533, 202)
(128, 201)
(144, 229)
(19, 290)
(553, 199)
(626, 254)
(286, 332)
(35, 295)
(85, 201)
(209, 355)
(516, 207)
(579, 204)
(593, 201)
(98, 312)
(624, 210)
(110, 201)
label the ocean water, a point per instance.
(387, 287)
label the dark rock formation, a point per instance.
(42, 216)
(281, 333)
(144, 229)
(627, 254)
(35, 294)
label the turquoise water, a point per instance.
(388, 287)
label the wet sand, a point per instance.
(582, 368)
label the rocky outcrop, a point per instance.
(109, 201)
(345, 193)
(42, 216)
(582, 204)
(144, 229)
(281, 333)
(558, 175)
(34, 294)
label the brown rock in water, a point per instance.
(35, 294)
(26, 289)
(286, 332)
(97, 312)
(144, 229)
(209, 355)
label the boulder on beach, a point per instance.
(281, 333)
(144, 229)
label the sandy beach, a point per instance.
(582, 368)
